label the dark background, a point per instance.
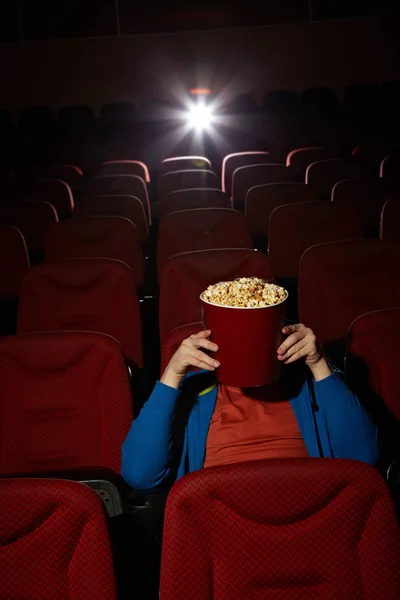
(49, 19)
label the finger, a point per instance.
(207, 344)
(289, 329)
(200, 365)
(205, 333)
(199, 355)
(301, 354)
(293, 349)
(290, 341)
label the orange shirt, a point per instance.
(252, 424)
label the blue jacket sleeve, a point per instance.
(352, 433)
(147, 449)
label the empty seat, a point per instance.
(97, 237)
(182, 180)
(301, 158)
(57, 193)
(244, 178)
(186, 276)
(201, 229)
(366, 197)
(263, 199)
(121, 185)
(372, 368)
(37, 123)
(119, 206)
(295, 227)
(33, 219)
(339, 281)
(269, 529)
(66, 402)
(231, 162)
(71, 174)
(126, 167)
(54, 542)
(184, 163)
(14, 263)
(174, 339)
(390, 220)
(321, 176)
(192, 198)
(371, 155)
(94, 294)
(390, 170)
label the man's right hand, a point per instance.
(190, 355)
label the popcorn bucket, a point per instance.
(248, 339)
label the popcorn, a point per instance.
(245, 292)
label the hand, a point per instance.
(190, 355)
(302, 344)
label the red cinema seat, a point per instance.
(116, 206)
(54, 542)
(121, 185)
(57, 193)
(321, 176)
(201, 229)
(339, 281)
(366, 197)
(192, 198)
(390, 220)
(70, 174)
(372, 368)
(183, 180)
(233, 161)
(295, 227)
(184, 163)
(174, 339)
(263, 199)
(390, 170)
(14, 263)
(186, 276)
(301, 158)
(33, 219)
(91, 294)
(269, 529)
(246, 178)
(126, 167)
(97, 237)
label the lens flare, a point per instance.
(200, 117)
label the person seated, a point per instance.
(192, 422)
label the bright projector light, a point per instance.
(199, 117)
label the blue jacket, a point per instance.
(168, 438)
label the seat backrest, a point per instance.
(201, 229)
(121, 185)
(339, 281)
(390, 220)
(295, 227)
(301, 158)
(366, 196)
(54, 542)
(182, 180)
(372, 368)
(321, 176)
(231, 162)
(186, 276)
(263, 199)
(33, 219)
(71, 174)
(390, 169)
(14, 261)
(192, 198)
(126, 167)
(183, 163)
(94, 294)
(230, 530)
(245, 178)
(116, 206)
(58, 193)
(97, 237)
(65, 402)
(174, 339)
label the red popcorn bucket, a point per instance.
(248, 339)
